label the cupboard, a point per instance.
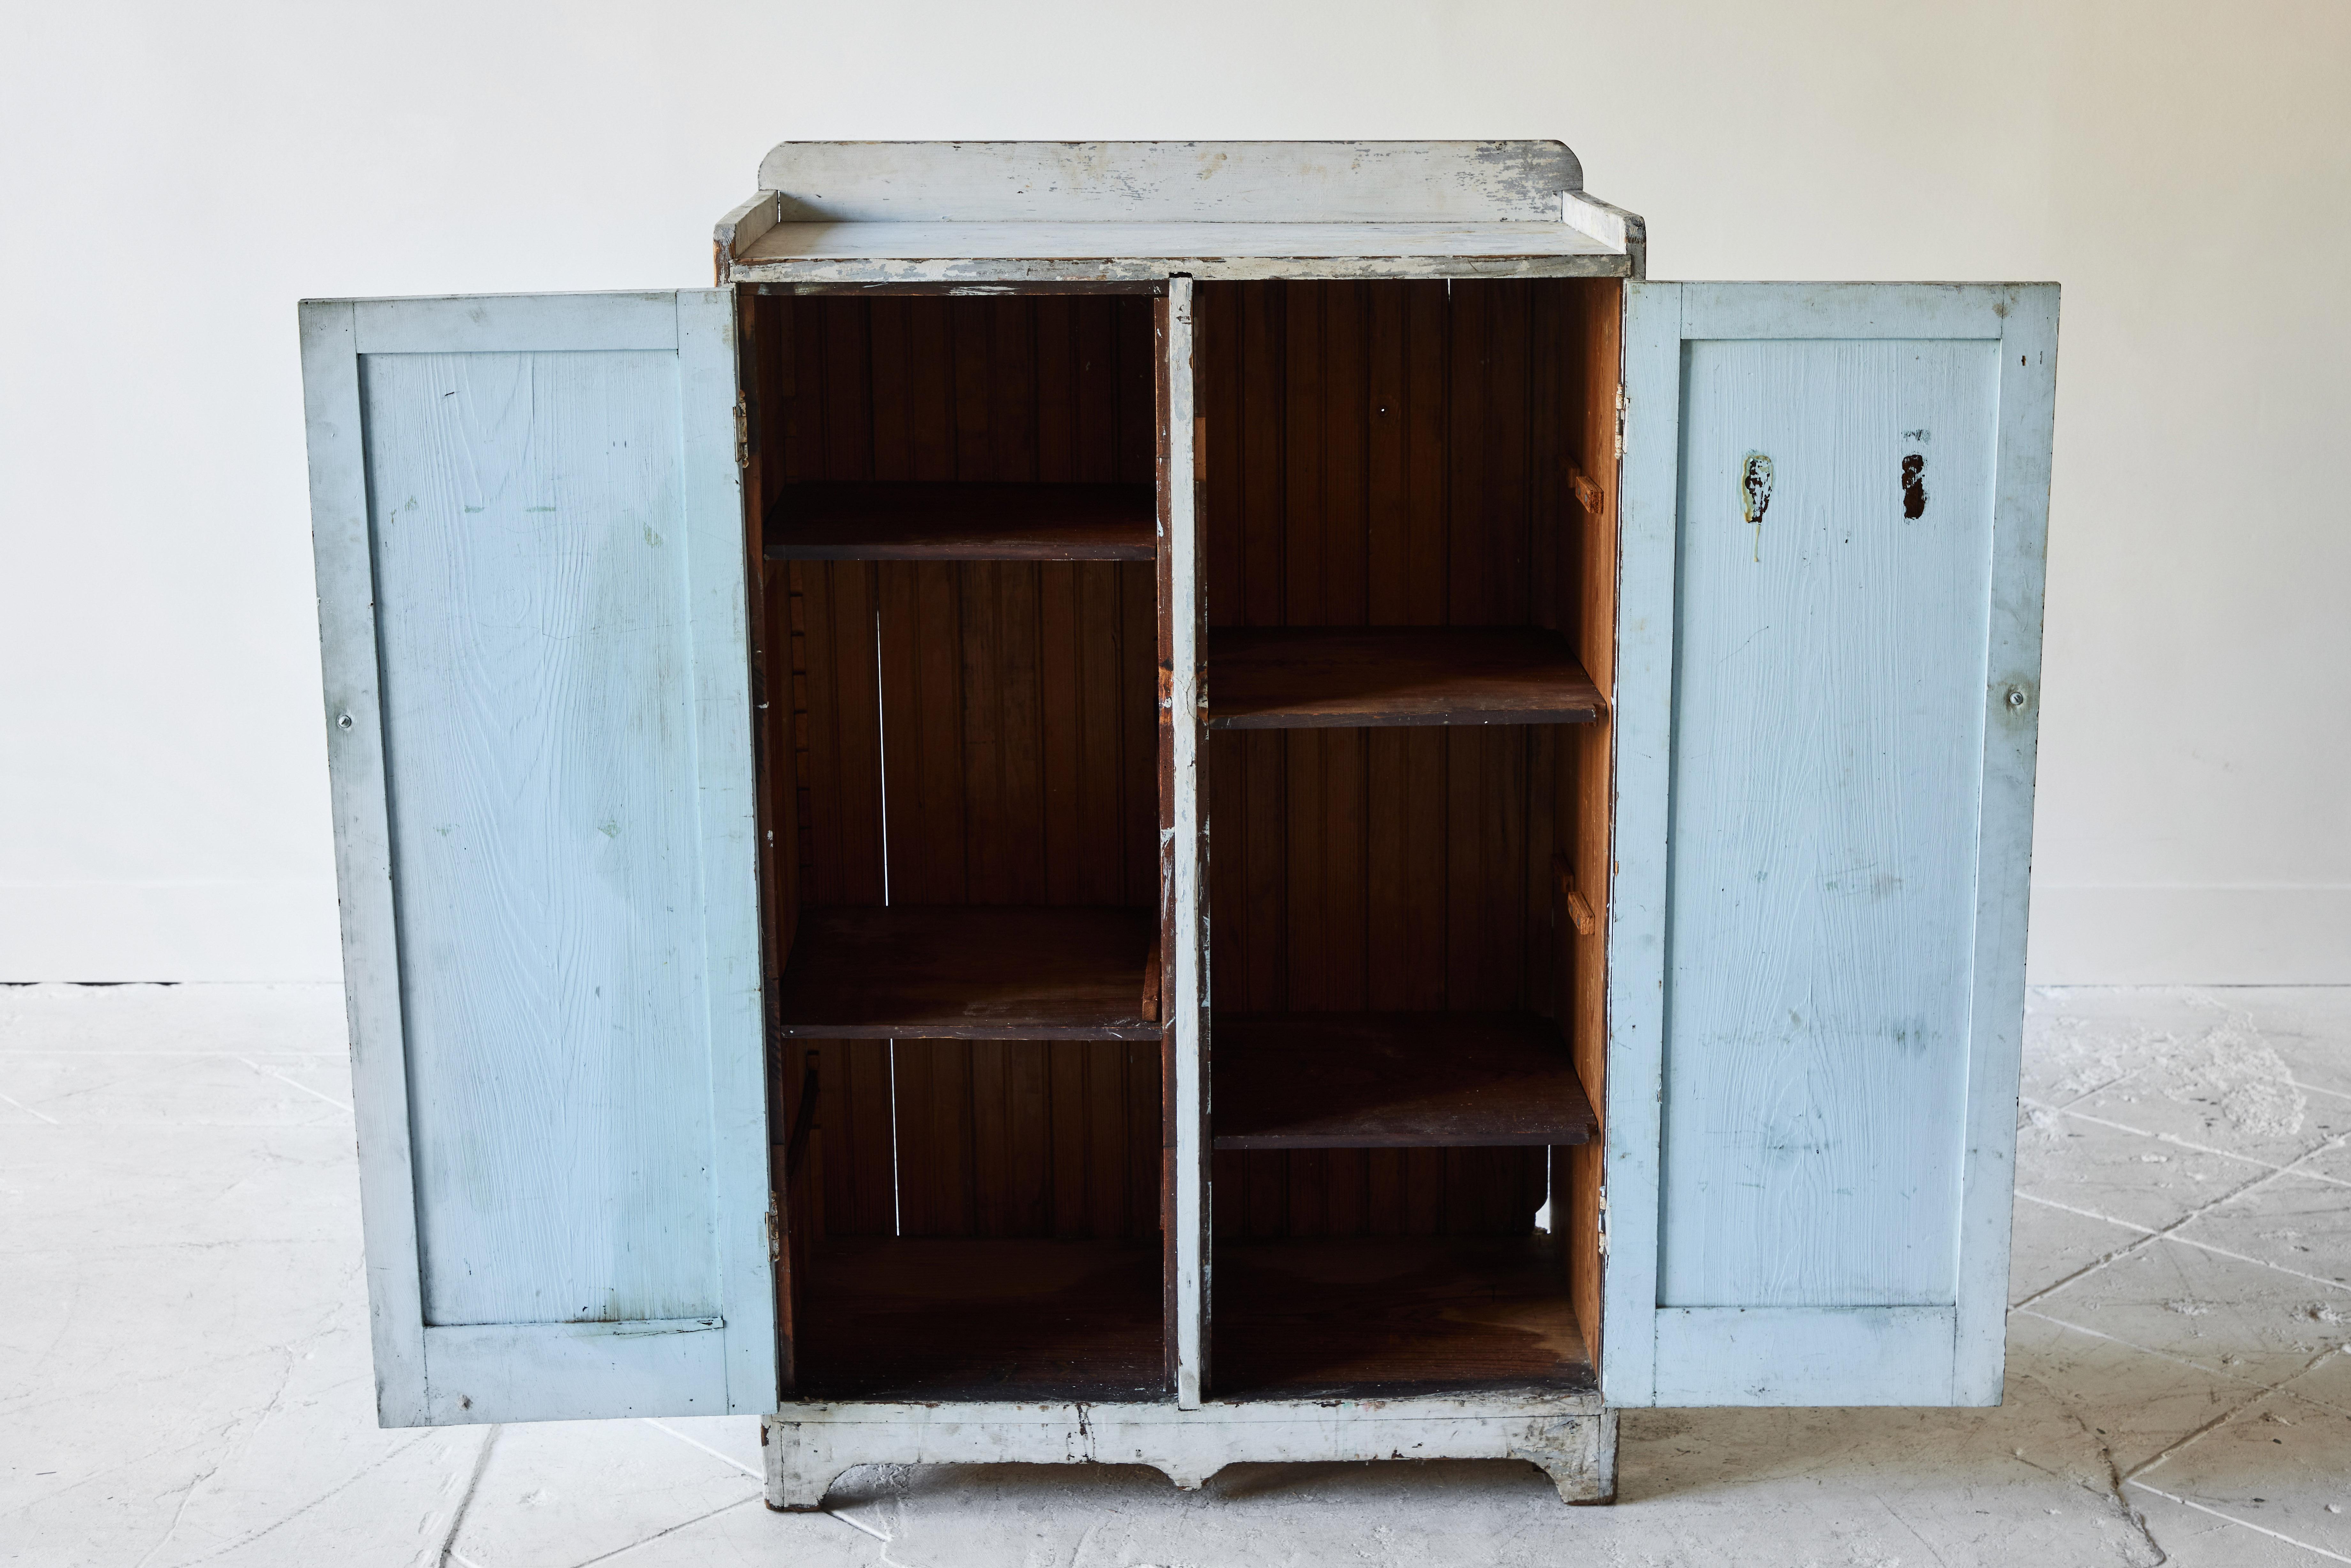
(1174, 803)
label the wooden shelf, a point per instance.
(929, 1318)
(1341, 678)
(963, 522)
(1390, 1316)
(971, 972)
(1386, 1081)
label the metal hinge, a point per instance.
(775, 1234)
(1620, 421)
(742, 430)
(1603, 1219)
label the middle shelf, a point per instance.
(868, 520)
(1358, 1081)
(1344, 677)
(971, 971)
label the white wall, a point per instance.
(175, 177)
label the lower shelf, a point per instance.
(1393, 1316)
(925, 1318)
(1347, 677)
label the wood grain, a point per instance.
(968, 972)
(538, 654)
(1392, 1317)
(973, 734)
(1334, 678)
(949, 254)
(1384, 457)
(1171, 181)
(950, 1320)
(1358, 1081)
(868, 521)
(1827, 763)
(1585, 817)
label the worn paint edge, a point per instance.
(1648, 486)
(2020, 465)
(726, 818)
(1189, 1008)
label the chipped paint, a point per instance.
(1755, 478)
(1914, 486)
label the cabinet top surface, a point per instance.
(918, 211)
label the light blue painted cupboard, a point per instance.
(1183, 802)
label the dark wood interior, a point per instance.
(961, 774)
(1010, 1320)
(1395, 1080)
(1352, 677)
(871, 520)
(1368, 1317)
(1410, 573)
(966, 971)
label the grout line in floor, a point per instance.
(2268, 1174)
(2214, 1425)
(58, 1053)
(2242, 1258)
(306, 1089)
(2264, 1389)
(448, 1551)
(2092, 1267)
(2341, 1094)
(656, 1535)
(28, 1111)
(2095, 1089)
(2247, 1523)
(746, 1469)
(2287, 1386)
(2330, 1146)
(2166, 1234)
(727, 1460)
(2172, 1138)
(2090, 1213)
(858, 1524)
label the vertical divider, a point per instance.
(1184, 1050)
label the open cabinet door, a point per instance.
(1834, 503)
(529, 526)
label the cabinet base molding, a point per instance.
(1570, 1438)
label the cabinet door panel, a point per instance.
(529, 532)
(1836, 498)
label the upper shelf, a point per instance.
(971, 972)
(1344, 677)
(1373, 1081)
(963, 522)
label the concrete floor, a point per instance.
(183, 1361)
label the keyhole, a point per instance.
(343, 721)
